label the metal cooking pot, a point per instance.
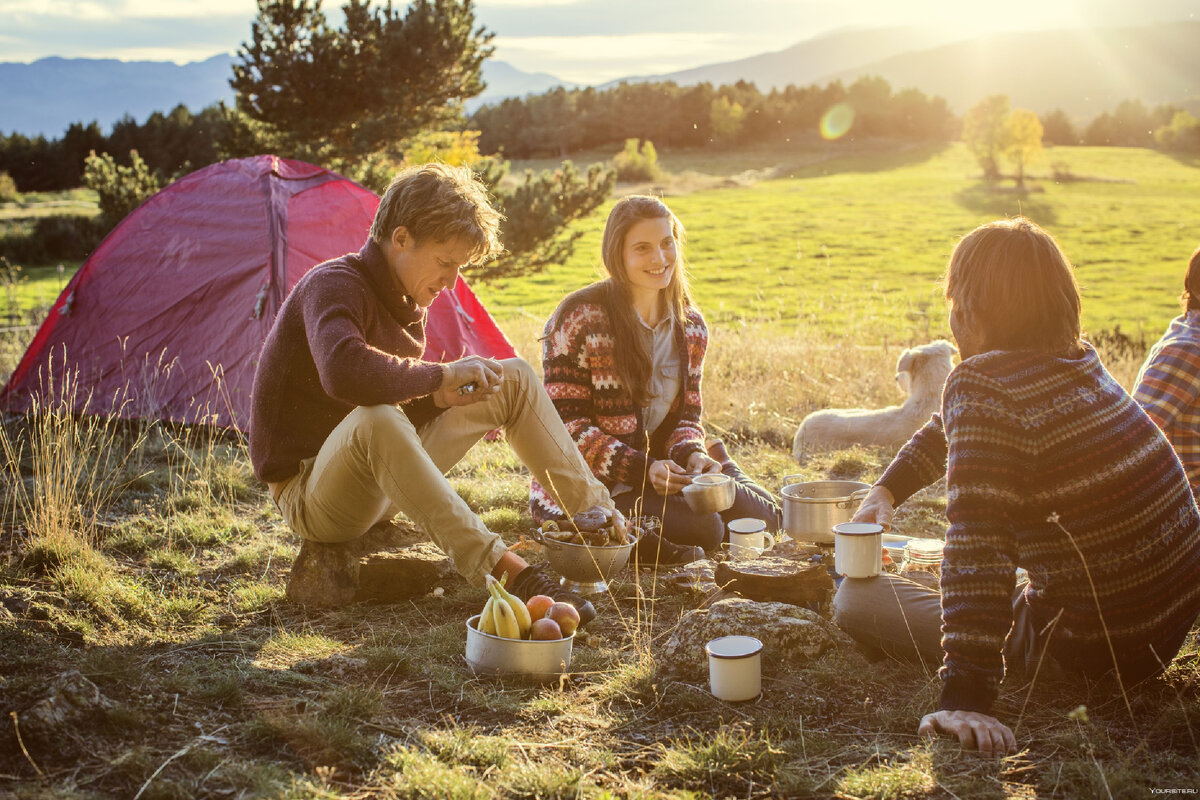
(810, 510)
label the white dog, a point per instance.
(920, 371)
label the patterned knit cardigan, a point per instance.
(599, 412)
(1054, 468)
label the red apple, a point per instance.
(565, 615)
(545, 630)
(538, 605)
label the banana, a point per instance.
(487, 618)
(506, 621)
(520, 611)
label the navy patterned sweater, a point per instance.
(1051, 466)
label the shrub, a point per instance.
(8, 189)
(537, 214)
(58, 238)
(121, 188)
(634, 164)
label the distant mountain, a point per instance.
(504, 80)
(806, 62)
(1083, 72)
(46, 96)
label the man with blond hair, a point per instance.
(349, 425)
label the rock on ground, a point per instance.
(791, 636)
(70, 699)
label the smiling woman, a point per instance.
(623, 361)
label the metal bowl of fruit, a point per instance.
(586, 559)
(513, 637)
(491, 654)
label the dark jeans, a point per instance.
(683, 526)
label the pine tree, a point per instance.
(362, 88)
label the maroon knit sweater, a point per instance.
(346, 336)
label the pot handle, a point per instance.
(788, 479)
(859, 495)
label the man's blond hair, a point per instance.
(437, 202)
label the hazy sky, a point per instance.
(586, 41)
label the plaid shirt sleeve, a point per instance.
(1169, 383)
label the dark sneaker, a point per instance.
(653, 550)
(533, 581)
(324, 575)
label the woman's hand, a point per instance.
(667, 477)
(976, 731)
(699, 463)
(878, 507)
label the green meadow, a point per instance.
(148, 559)
(854, 243)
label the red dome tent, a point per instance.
(166, 318)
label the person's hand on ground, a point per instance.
(469, 380)
(975, 731)
(667, 477)
(700, 463)
(878, 507)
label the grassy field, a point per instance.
(26, 290)
(147, 558)
(855, 243)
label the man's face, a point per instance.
(424, 269)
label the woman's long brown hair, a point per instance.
(615, 295)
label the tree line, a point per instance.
(562, 121)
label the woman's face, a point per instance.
(651, 254)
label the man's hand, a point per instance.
(699, 463)
(877, 507)
(469, 380)
(974, 730)
(667, 477)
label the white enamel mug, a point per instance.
(858, 549)
(735, 668)
(748, 538)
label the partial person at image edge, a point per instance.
(1168, 384)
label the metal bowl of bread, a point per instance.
(587, 551)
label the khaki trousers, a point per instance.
(376, 463)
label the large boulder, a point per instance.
(410, 572)
(792, 636)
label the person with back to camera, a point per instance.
(1168, 385)
(623, 361)
(1050, 466)
(349, 426)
